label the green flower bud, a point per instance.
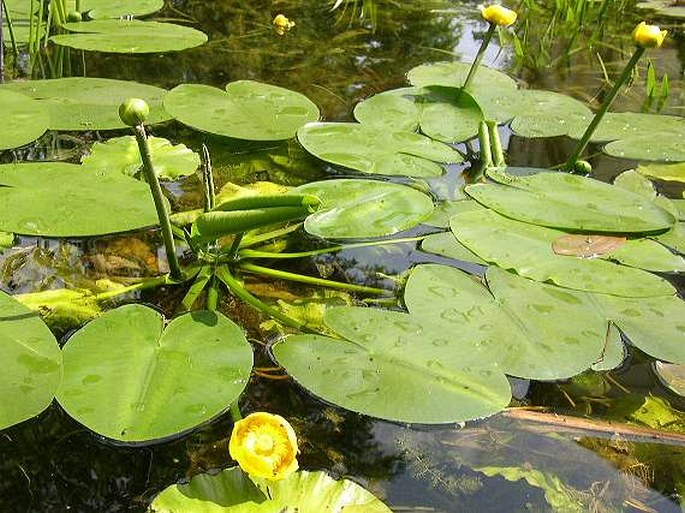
(134, 111)
(582, 166)
(74, 16)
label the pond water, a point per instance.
(508, 463)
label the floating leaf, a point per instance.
(669, 172)
(633, 181)
(128, 379)
(571, 202)
(527, 249)
(613, 353)
(89, 103)
(62, 200)
(246, 110)
(549, 114)
(23, 119)
(664, 8)
(98, 9)
(446, 209)
(364, 208)
(32, 363)
(394, 367)
(672, 376)
(444, 244)
(648, 255)
(586, 245)
(369, 150)
(121, 155)
(446, 114)
(232, 491)
(129, 36)
(673, 238)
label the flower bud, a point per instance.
(498, 15)
(582, 166)
(282, 24)
(649, 36)
(74, 16)
(134, 111)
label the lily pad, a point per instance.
(129, 379)
(89, 103)
(129, 36)
(648, 255)
(549, 114)
(32, 363)
(673, 238)
(444, 244)
(664, 8)
(672, 376)
(527, 249)
(586, 246)
(23, 119)
(98, 9)
(444, 210)
(65, 200)
(121, 155)
(383, 152)
(669, 172)
(633, 181)
(364, 208)
(232, 491)
(246, 110)
(571, 202)
(392, 366)
(446, 114)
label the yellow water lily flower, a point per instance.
(498, 15)
(264, 445)
(649, 36)
(282, 24)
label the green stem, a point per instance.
(158, 198)
(495, 145)
(236, 414)
(585, 139)
(479, 56)
(263, 237)
(309, 280)
(143, 285)
(241, 292)
(213, 295)
(235, 245)
(485, 149)
(252, 253)
(207, 179)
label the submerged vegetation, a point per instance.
(546, 276)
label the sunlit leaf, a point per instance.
(23, 119)
(672, 376)
(129, 379)
(549, 114)
(670, 172)
(98, 9)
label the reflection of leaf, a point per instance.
(586, 246)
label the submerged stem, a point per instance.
(284, 275)
(143, 285)
(585, 139)
(158, 197)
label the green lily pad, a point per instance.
(98, 9)
(232, 491)
(392, 366)
(369, 150)
(527, 249)
(672, 376)
(648, 255)
(614, 351)
(549, 114)
(129, 379)
(571, 202)
(246, 110)
(64, 200)
(23, 119)
(669, 172)
(89, 103)
(495, 92)
(121, 155)
(633, 181)
(444, 210)
(444, 244)
(664, 8)
(673, 238)
(32, 363)
(446, 114)
(129, 36)
(364, 208)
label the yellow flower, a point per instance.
(264, 445)
(498, 15)
(282, 24)
(649, 36)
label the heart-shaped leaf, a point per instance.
(66, 200)
(384, 152)
(23, 119)
(32, 363)
(364, 208)
(89, 103)
(129, 36)
(127, 378)
(246, 110)
(121, 155)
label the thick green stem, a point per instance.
(236, 414)
(309, 280)
(485, 149)
(160, 206)
(253, 253)
(241, 292)
(585, 139)
(147, 284)
(495, 145)
(479, 57)
(263, 237)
